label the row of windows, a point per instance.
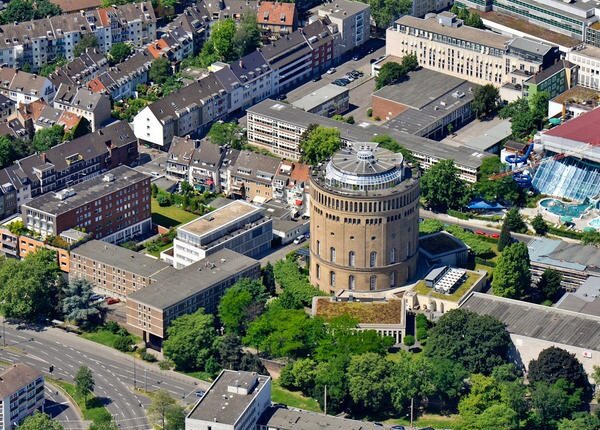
(352, 280)
(357, 206)
(352, 256)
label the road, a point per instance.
(114, 372)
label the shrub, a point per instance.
(370, 112)
(457, 214)
(409, 340)
(166, 364)
(423, 325)
(164, 200)
(123, 343)
(112, 327)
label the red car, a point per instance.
(480, 233)
(112, 300)
(495, 236)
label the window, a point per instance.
(351, 282)
(373, 259)
(373, 282)
(393, 279)
(351, 259)
(318, 271)
(332, 254)
(393, 255)
(332, 279)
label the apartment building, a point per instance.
(71, 162)
(81, 69)
(41, 41)
(442, 43)
(7, 107)
(120, 81)
(25, 88)
(252, 393)
(186, 111)
(423, 7)
(114, 207)
(251, 176)
(588, 60)
(238, 226)
(223, 9)
(276, 19)
(194, 21)
(278, 127)
(21, 394)
(113, 270)
(8, 196)
(352, 19)
(94, 107)
(174, 45)
(151, 310)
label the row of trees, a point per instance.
(26, 10)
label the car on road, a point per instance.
(345, 81)
(299, 239)
(348, 77)
(495, 236)
(398, 427)
(316, 79)
(200, 393)
(480, 233)
(112, 300)
(331, 71)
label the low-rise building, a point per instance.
(81, 69)
(179, 292)
(443, 249)
(329, 100)
(238, 226)
(21, 394)
(113, 270)
(251, 176)
(276, 19)
(352, 18)
(23, 87)
(555, 80)
(427, 104)
(223, 9)
(94, 107)
(588, 60)
(114, 207)
(585, 300)
(235, 401)
(278, 418)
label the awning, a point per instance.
(483, 205)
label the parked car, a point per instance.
(372, 60)
(345, 81)
(316, 79)
(199, 393)
(398, 427)
(331, 71)
(355, 58)
(495, 236)
(348, 77)
(112, 300)
(299, 239)
(339, 82)
(480, 233)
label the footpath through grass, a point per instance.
(169, 216)
(92, 409)
(293, 398)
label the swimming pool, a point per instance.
(595, 223)
(565, 209)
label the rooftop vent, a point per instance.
(109, 177)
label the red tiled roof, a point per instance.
(273, 12)
(96, 86)
(68, 120)
(76, 5)
(300, 172)
(103, 17)
(156, 48)
(582, 129)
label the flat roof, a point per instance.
(578, 95)
(173, 286)
(122, 258)
(563, 254)
(296, 419)
(342, 8)
(223, 403)
(219, 217)
(538, 321)
(16, 377)
(320, 96)
(87, 191)
(588, 50)
(585, 300)
(440, 243)
(365, 312)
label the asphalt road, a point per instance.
(113, 371)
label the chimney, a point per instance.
(43, 157)
(241, 63)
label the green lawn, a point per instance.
(203, 376)
(293, 398)
(156, 252)
(430, 420)
(92, 409)
(105, 337)
(169, 216)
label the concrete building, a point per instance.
(533, 328)
(443, 249)
(251, 176)
(554, 80)
(352, 19)
(426, 104)
(81, 101)
(420, 8)
(278, 418)
(364, 221)
(588, 60)
(114, 207)
(21, 394)
(238, 226)
(329, 100)
(25, 88)
(443, 44)
(276, 19)
(278, 127)
(180, 292)
(235, 401)
(113, 270)
(585, 300)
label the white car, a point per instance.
(299, 239)
(331, 71)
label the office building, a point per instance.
(444, 44)
(21, 394)
(364, 220)
(239, 226)
(588, 60)
(180, 292)
(329, 100)
(235, 401)
(114, 207)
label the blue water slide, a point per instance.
(515, 159)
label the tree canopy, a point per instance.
(77, 305)
(318, 143)
(442, 188)
(227, 133)
(549, 283)
(392, 72)
(247, 35)
(515, 222)
(164, 411)
(84, 382)
(554, 364)
(384, 12)
(241, 304)
(40, 421)
(119, 51)
(86, 41)
(485, 100)
(27, 10)
(160, 71)
(503, 189)
(477, 342)
(391, 144)
(46, 138)
(512, 275)
(12, 149)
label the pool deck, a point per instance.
(580, 222)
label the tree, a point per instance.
(160, 70)
(84, 382)
(331, 374)
(190, 339)
(505, 238)
(319, 143)
(46, 138)
(119, 51)
(247, 35)
(538, 104)
(241, 304)
(554, 364)
(175, 417)
(448, 379)
(512, 275)
(368, 384)
(220, 45)
(503, 189)
(477, 342)
(268, 278)
(26, 10)
(164, 411)
(297, 289)
(580, 421)
(391, 73)
(300, 375)
(485, 100)
(539, 225)
(411, 379)
(28, 288)
(409, 340)
(590, 238)
(551, 402)
(384, 12)
(50, 68)
(86, 41)
(77, 304)
(549, 283)
(227, 133)
(40, 421)
(442, 188)
(515, 221)
(474, 20)
(387, 142)
(154, 189)
(12, 149)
